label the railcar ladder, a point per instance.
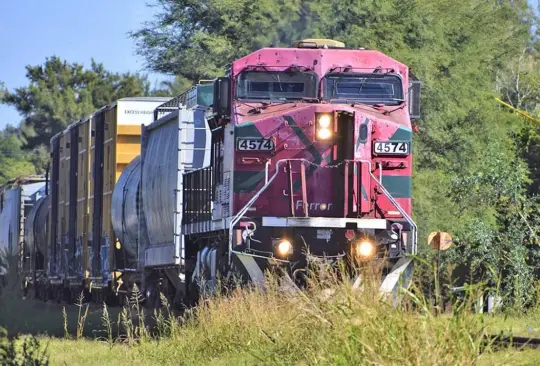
(290, 188)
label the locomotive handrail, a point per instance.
(242, 212)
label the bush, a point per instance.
(24, 351)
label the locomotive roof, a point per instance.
(321, 60)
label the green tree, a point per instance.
(59, 93)
(519, 82)
(14, 161)
(177, 85)
(173, 87)
(196, 39)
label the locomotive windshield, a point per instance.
(365, 88)
(267, 85)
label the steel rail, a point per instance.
(513, 341)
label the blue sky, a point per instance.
(31, 30)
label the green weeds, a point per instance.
(330, 321)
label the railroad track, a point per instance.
(515, 342)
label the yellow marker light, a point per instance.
(324, 134)
(325, 121)
(365, 249)
(284, 247)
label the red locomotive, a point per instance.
(311, 151)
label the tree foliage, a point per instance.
(174, 87)
(14, 161)
(196, 39)
(519, 82)
(26, 350)
(59, 93)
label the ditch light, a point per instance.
(324, 127)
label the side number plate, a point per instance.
(391, 147)
(255, 145)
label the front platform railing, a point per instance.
(362, 165)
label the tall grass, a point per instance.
(328, 322)
(26, 350)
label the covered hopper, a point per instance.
(174, 144)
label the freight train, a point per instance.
(298, 152)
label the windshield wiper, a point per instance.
(393, 110)
(336, 82)
(269, 104)
(310, 99)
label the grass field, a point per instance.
(329, 324)
(527, 325)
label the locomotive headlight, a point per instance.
(284, 248)
(324, 127)
(324, 121)
(324, 134)
(364, 249)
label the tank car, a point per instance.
(17, 199)
(36, 228)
